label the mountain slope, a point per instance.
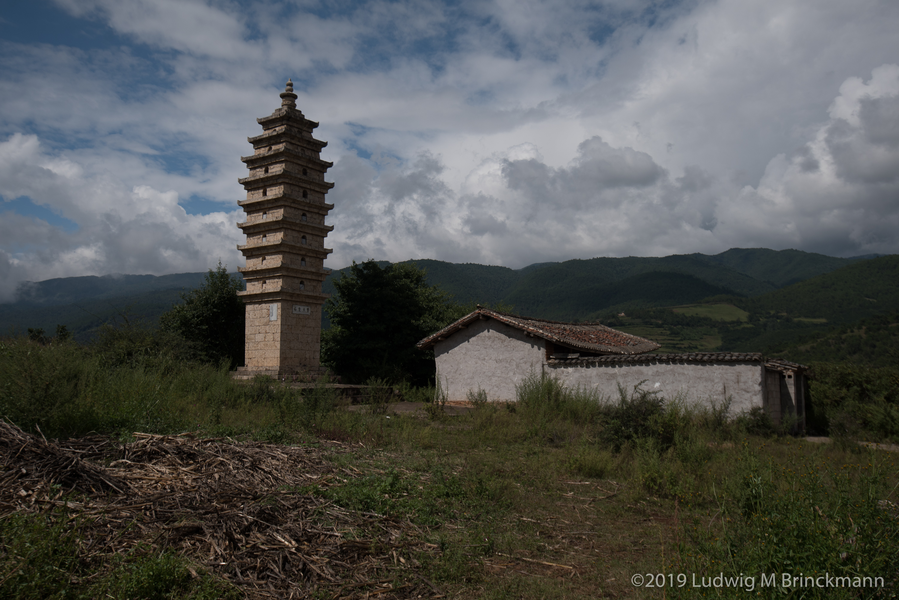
(854, 292)
(83, 304)
(469, 282)
(84, 317)
(873, 342)
(575, 288)
(67, 290)
(570, 290)
(779, 267)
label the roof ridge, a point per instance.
(603, 338)
(505, 314)
(695, 357)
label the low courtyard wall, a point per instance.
(694, 381)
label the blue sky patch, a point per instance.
(25, 207)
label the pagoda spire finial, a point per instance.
(288, 98)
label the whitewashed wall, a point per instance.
(696, 383)
(495, 357)
(488, 355)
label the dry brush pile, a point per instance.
(236, 509)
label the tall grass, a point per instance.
(65, 390)
(545, 399)
(661, 444)
(803, 518)
(638, 418)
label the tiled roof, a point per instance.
(779, 364)
(691, 357)
(590, 337)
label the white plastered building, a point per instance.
(494, 352)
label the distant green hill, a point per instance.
(68, 290)
(83, 318)
(780, 268)
(469, 282)
(847, 295)
(838, 290)
(820, 319)
(577, 288)
(83, 304)
(873, 342)
(587, 300)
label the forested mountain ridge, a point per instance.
(780, 268)
(741, 271)
(854, 307)
(68, 290)
(591, 289)
(853, 292)
(873, 342)
(84, 317)
(538, 286)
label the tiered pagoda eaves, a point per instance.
(285, 248)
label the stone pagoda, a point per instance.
(285, 249)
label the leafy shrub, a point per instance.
(212, 317)
(320, 399)
(125, 385)
(854, 401)
(262, 389)
(410, 393)
(295, 409)
(377, 315)
(134, 345)
(538, 393)
(435, 408)
(67, 390)
(380, 392)
(38, 381)
(477, 399)
(756, 422)
(636, 415)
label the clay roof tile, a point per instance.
(590, 337)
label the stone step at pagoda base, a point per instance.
(297, 375)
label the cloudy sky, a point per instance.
(490, 131)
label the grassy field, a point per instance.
(693, 339)
(551, 514)
(556, 496)
(718, 312)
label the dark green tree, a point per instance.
(211, 318)
(63, 334)
(37, 335)
(377, 317)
